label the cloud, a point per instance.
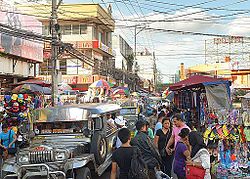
(173, 49)
(239, 26)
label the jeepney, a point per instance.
(71, 141)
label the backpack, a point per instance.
(138, 168)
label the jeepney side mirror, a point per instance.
(87, 131)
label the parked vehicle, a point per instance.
(73, 141)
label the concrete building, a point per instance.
(236, 72)
(124, 53)
(124, 60)
(89, 28)
(145, 61)
(18, 57)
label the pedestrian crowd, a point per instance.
(165, 144)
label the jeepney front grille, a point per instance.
(41, 156)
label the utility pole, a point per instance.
(155, 72)
(135, 60)
(54, 53)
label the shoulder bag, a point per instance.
(12, 150)
(193, 172)
(163, 151)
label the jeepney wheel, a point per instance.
(99, 148)
(83, 173)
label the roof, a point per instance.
(71, 13)
(196, 80)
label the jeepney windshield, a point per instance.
(128, 111)
(60, 120)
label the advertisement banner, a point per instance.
(17, 45)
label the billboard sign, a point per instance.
(18, 46)
(228, 40)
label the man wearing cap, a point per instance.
(149, 152)
(120, 123)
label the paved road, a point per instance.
(106, 175)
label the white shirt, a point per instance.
(118, 141)
(111, 121)
(203, 157)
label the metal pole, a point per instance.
(54, 54)
(154, 71)
(135, 61)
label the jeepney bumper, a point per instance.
(35, 170)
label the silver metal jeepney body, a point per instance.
(65, 139)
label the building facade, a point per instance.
(88, 27)
(238, 74)
(146, 67)
(18, 55)
(124, 60)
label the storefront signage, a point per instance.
(105, 48)
(71, 79)
(226, 40)
(78, 44)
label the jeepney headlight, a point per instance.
(61, 155)
(24, 158)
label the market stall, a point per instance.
(201, 95)
(205, 101)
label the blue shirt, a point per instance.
(5, 138)
(158, 126)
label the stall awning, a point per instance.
(196, 80)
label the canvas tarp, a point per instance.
(217, 96)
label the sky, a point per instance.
(229, 17)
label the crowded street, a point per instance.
(124, 89)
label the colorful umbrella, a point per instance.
(31, 88)
(111, 84)
(100, 84)
(125, 89)
(120, 92)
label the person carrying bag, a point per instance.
(161, 139)
(8, 139)
(199, 166)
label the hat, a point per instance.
(14, 97)
(20, 96)
(25, 96)
(120, 121)
(7, 98)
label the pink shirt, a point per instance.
(176, 131)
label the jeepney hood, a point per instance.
(56, 141)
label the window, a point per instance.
(75, 29)
(94, 33)
(45, 30)
(83, 29)
(66, 30)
